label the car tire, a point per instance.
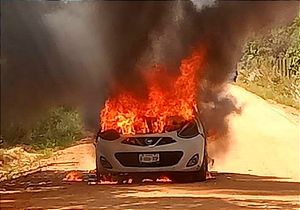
(201, 174)
(98, 170)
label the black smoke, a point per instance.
(57, 53)
(74, 53)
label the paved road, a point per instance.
(261, 161)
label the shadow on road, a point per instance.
(227, 191)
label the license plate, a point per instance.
(149, 158)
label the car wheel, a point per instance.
(201, 175)
(98, 169)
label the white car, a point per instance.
(180, 154)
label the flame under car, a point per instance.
(179, 152)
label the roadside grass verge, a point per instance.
(281, 90)
(58, 128)
(26, 149)
(270, 65)
(16, 160)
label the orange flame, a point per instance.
(73, 176)
(170, 101)
(107, 182)
(163, 179)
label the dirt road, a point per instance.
(262, 165)
(264, 139)
(227, 191)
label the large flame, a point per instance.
(170, 100)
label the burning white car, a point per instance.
(159, 133)
(180, 153)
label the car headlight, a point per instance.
(189, 130)
(109, 135)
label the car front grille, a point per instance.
(131, 159)
(148, 141)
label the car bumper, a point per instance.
(188, 148)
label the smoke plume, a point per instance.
(74, 53)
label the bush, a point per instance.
(59, 127)
(14, 134)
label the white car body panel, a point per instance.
(189, 147)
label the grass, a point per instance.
(23, 149)
(58, 128)
(270, 93)
(16, 160)
(262, 81)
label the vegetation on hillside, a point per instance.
(270, 65)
